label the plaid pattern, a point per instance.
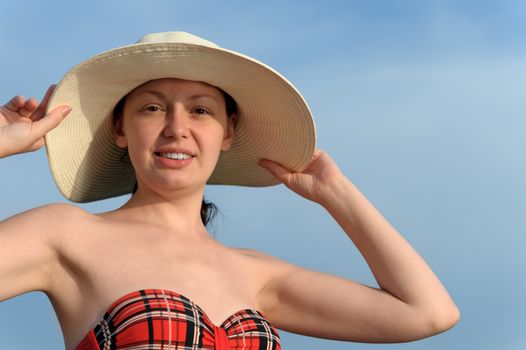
(155, 319)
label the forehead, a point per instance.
(171, 86)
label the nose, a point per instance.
(176, 122)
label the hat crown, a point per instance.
(175, 37)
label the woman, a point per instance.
(162, 118)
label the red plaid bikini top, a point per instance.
(161, 319)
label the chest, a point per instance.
(155, 257)
(161, 318)
(105, 266)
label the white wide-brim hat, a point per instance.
(274, 121)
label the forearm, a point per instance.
(397, 267)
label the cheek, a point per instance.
(139, 143)
(210, 142)
(219, 133)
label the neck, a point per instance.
(179, 212)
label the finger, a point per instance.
(15, 103)
(37, 145)
(276, 169)
(29, 107)
(51, 120)
(41, 110)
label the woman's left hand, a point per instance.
(312, 183)
(409, 304)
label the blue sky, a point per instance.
(420, 103)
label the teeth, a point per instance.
(176, 155)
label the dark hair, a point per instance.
(208, 209)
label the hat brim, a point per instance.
(274, 120)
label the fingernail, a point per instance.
(66, 110)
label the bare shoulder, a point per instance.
(48, 218)
(64, 210)
(49, 224)
(29, 247)
(53, 209)
(266, 264)
(257, 255)
(253, 253)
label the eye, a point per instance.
(200, 111)
(152, 108)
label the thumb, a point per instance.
(276, 169)
(50, 120)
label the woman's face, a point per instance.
(174, 131)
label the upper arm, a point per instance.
(29, 249)
(326, 306)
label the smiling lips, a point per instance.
(175, 155)
(173, 159)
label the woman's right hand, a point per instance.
(23, 123)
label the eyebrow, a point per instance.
(198, 96)
(152, 92)
(191, 98)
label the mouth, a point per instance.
(173, 155)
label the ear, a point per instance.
(229, 133)
(118, 132)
